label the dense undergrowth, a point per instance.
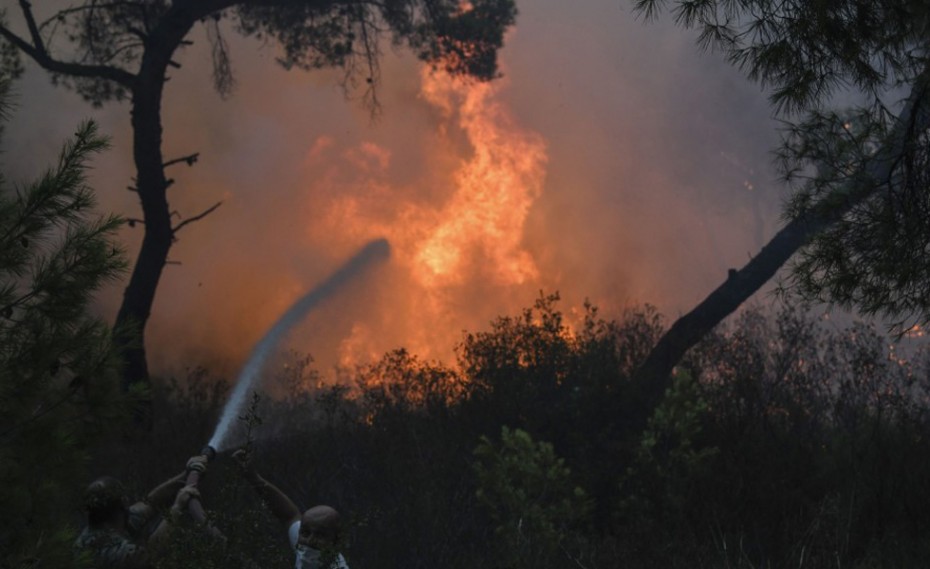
(783, 443)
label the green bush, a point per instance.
(538, 512)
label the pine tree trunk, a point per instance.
(152, 185)
(723, 301)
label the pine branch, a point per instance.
(38, 414)
(60, 195)
(190, 159)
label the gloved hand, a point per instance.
(244, 460)
(185, 495)
(181, 501)
(197, 463)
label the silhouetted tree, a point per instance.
(858, 213)
(58, 372)
(123, 50)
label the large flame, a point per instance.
(493, 190)
(459, 251)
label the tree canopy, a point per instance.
(108, 40)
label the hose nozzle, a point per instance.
(193, 476)
(208, 452)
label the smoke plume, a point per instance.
(612, 161)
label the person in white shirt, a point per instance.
(315, 535)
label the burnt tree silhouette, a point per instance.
(743, 283)
(856, 218)
(123, 50)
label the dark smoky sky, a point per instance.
(657, 178)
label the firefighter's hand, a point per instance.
(244, 460)
(182, 500)
(197, 463)
(185, 495)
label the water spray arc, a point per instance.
(374, 252)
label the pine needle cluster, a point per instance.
(58, 383)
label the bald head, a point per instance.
(320, 527)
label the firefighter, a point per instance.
(119, 534)
(314, 535)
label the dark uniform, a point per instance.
(116, 531)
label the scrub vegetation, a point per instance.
(783, 442)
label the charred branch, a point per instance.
(197, 217)
(38, 52)
(31, 24)
(223, 80)
(89, 7)
(190, 160)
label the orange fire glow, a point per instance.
(493, 190)
(461, 248)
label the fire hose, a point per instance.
(193, 478)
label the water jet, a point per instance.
(374, 252)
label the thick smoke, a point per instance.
(655, 180)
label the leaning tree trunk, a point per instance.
(656, 370)
(723, 301)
